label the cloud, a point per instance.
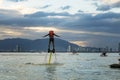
(80, 43)
(106, 22)
(65, 7)
(105, 1)
(14, 18)
(80, 11)
(69, 31)
(116, 5)
(99, 30)
(40, 29)
(103, 8)
(109, 1)
(45, 14)
(5, 13)
(106, 7)
(46, 6)
(83, 38)
(1, 1)
(16, 0)
(95, 30)
(7, 32)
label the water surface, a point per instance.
(66, 66)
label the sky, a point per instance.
(94, 23)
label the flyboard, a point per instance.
(50, 57)
(45, 64)
(51, 52)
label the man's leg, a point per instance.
(49, 45)
(53, 45)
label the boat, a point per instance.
(115, 65)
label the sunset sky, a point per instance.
(94, 23)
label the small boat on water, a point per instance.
(104, 54)
(74, 52)
(115, 65)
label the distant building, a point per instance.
(69, 49)
(119, 47)
(18, 49)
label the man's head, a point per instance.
(51, 32)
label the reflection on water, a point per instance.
(51, 72)
(85, 66)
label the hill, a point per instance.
(19, 44)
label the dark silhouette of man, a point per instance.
(51, 35)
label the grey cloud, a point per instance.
(117, 4)
(107, 22)
(103, 8)
(65, 7)
(24, 22)
(9, 13)
(108, 6)
(46, 6)
(103, 41)
(17, 0)
(80, 11)
(36, 19)
(45, 14)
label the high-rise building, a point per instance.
(69, 48)
(18, 48)
(119, 47)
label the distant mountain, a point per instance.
(18, 44)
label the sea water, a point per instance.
(64, 66)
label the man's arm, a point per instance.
(56, 35)
(45, 35)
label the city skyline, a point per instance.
(84, 22)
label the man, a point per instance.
(51, 35)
